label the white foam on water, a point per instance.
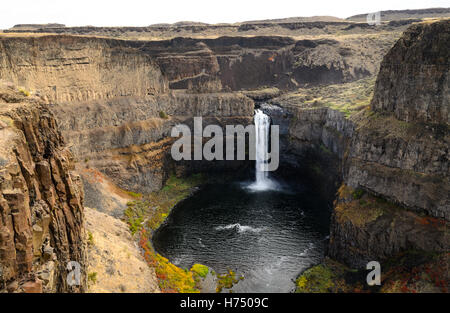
(201, 243)
(240, 228)
(305, 251)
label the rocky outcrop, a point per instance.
(67, 69)
(399, 151)
(366, 228)
(399, 154)
(112, 100)
(394, 152)
(413, 82)
(405, 162)
(240, 63)
(41, 212)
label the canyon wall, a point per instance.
(67, 69)
(41, 200)
(393, 153)
(401, 148)
(112, 100)
(400, 153)
(413, 82)
(239, 63)
(117, 100)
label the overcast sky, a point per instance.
(143, 13)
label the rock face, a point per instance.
(239, 63)
(394, 152)
(413, 82)
(41, 224)
(66, 69)
(406, 163)
(112, 100)
(128, 140)
(71, 68)
(116, 102)
(365, 228)
(399, 151)
(399, 154)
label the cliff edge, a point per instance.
(41, 211)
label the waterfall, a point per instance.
(262, 124)
(262, 133)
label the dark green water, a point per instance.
(269, 236)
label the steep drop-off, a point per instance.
(112, 102)
(393, 154)
(402, 160)
(116, 101)
(41, 200)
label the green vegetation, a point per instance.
(359, 207)
(358, 193)
(318, 279)
(227, 280)
(155, 207)
(330, 276)
(200, 270)
(171, 278)
(92, 277)
(90, 239)
(163, 115)
(134, 194)
(347, 98)
(146, 214)
(24, 92)
(359, 213)
(325, 150)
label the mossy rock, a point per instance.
(200, 270)
(317, 279)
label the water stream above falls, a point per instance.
(269, 237)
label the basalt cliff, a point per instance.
(362, 109)
(41, 200)
(393, 204)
